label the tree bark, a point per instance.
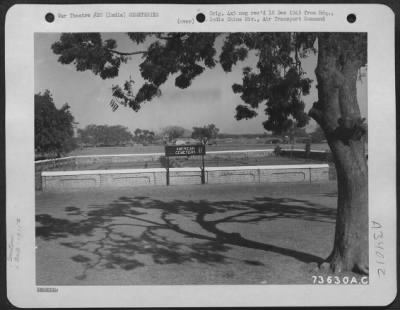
(337, 112)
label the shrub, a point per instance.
(278, 150)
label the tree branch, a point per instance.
(316, 113)
(163, 37)
(127, 53)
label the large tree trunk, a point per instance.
(340, 57)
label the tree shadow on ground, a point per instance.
(117, 235)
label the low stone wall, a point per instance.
(65, 163)
(64, 180)
(83, 162)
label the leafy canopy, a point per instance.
(53, 127)
(276, 80)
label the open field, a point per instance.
(194, 161)
(224, 234)
(140, 149)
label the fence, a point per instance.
(256, 157)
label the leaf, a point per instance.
(243, 112)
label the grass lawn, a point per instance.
(140, 149)
(194, 234)
(194, 161)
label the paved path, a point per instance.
(225, 234)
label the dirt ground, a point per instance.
(194, 234)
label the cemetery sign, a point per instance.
(185, 150)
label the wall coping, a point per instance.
(269, 167)
(185, 169)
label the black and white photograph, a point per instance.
(201, 158)
(200, 155)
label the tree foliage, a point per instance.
(277, 80)
(143, 136)
(88, 51)
(104, 135)
(205, 133)
(54, 133)
(173, 132)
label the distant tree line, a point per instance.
(104, 135)
(205, 133)
(171, 133)
(54, 131)
(144, 136)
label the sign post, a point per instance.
(167, 170)
(186, 150)
(203, 175)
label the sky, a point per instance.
(209, 100)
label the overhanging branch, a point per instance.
(126, 53)
(316, 113)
